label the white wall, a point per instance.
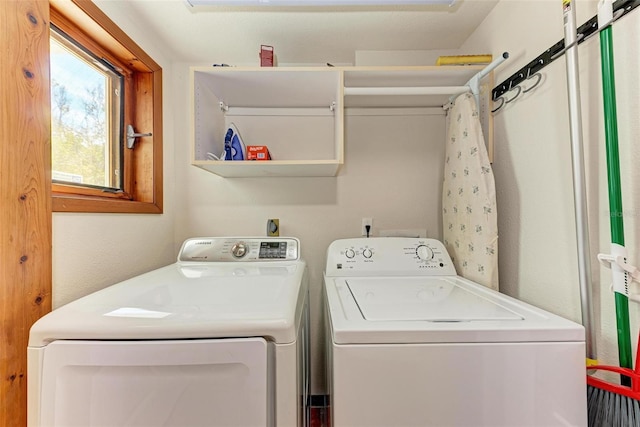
(91, 251)
(532, 163)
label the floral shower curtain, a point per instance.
(470, 226)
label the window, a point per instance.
(102, 85)
(86, 117)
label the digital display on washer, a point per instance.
(273, 250)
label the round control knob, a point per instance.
(424, 252)
(350, 253)
(367, 253)
(239, 250)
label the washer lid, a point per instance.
(428, 298)
(443, 309)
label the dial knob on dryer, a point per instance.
(350, 253)
(367, 253)
(239, 250)
(424, 252)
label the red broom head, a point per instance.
(632, 392)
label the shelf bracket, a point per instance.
(224, 107)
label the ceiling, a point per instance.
(302, 35)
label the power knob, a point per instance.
(239, 250)
(424, 253)
(350, 253)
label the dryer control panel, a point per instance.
(388, 256)
(239, 249)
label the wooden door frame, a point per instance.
(25, 194)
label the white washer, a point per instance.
(412, 344)
(220, 338)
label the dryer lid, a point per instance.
(424, 298)
(208, 300)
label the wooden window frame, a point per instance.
(83, 21)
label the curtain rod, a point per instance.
(620, 8)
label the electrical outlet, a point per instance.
(365, 222)
(273, 227)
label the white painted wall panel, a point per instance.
(538, 253)
(92, 251)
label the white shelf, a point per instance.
(271, 87)
(271, 168)
(298, 113)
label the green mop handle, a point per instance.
(605, 10)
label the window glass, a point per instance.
(86, 117)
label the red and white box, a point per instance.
(258, 152)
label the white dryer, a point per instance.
(219, 338)
(410, 343)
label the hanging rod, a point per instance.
(423, 90)
(620, 8)
(472, 85)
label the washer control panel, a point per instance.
(239, 249)
(380, 256)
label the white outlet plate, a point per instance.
(405, 232)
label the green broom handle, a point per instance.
(615, 193)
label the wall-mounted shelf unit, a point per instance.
(295, 112)
(298, 113)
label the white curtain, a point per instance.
(470, 218)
